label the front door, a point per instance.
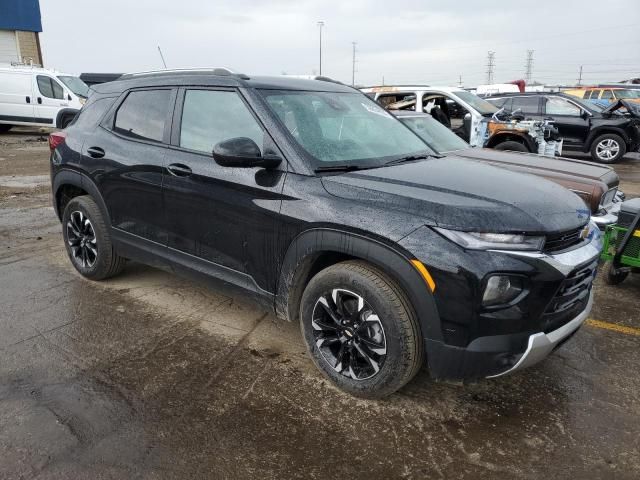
(572, 122)
(221, 219)
(50, 98)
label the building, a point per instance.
(20, 26)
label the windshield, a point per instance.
(477, 103)
(588, 106)
(626, 93)
(343, 128)
(437, 136)
(76, 85)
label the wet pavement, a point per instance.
(148, 376)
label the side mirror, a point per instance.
(584, 114)
(242, 152)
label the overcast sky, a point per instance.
(414, 41)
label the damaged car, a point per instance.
(311, 199)
(607, 133)
(597, 185)
(473, 119)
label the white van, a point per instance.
(39, 97)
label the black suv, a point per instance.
(312, 199)
(607, 133)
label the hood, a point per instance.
(632, 108)
(588, 180)
(462, 194)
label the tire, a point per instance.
(4, 128)
(380, 325)
(512, 146)
(88, 241)
(613, 276)
(608, 148)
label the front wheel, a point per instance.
(608, 148)
(614, 276)
(512, 147)
(360, 329)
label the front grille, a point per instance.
(570, 299)
(561, 241)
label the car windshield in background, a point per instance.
(343, 128)
(479, 104)
(437, 136)
(588, 106)
(76, 85)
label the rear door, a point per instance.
(16, 98)
(126, 156)
(572, 122)
(50, 97)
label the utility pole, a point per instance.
(353, 65)
(320, 25)
(580, 76)
(529, 66)
(460, 81)
(491, 57)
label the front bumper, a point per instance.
(540, 345)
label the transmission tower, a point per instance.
(491, 56)
(529, 73)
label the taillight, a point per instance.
(56, 139)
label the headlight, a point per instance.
(493, 241)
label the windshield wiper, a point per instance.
(340, 168)
(410, 158)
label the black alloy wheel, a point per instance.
(349, 334)
(82, 240)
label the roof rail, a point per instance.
(220, 71)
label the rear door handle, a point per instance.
(179, 170)
(95, 152)
(40, 100)
(28, 99)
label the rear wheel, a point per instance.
(608, 148)
(88, 241)
(4, 128)
(512, 146)
(613, 276)
(360, 329)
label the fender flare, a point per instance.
(63, 112)
(392, 260)
(527, 139)
(604, 130)
(82, 181)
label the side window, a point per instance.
(49, 87)
(210, 116)
(595, 94)
(92, 112)
(607, 95)
(142, 115)
(586, 95)
(525, 104)
(559, 106)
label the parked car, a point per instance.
(605, 96)
(607, 133)
(39, 97)
(310, 198)
(471, 118)
(597, 185)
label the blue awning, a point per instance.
(20, 15)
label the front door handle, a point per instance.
(95, 152)
(28, 99)
(179, 170)
(40, 100)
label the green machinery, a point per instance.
(621, 245)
